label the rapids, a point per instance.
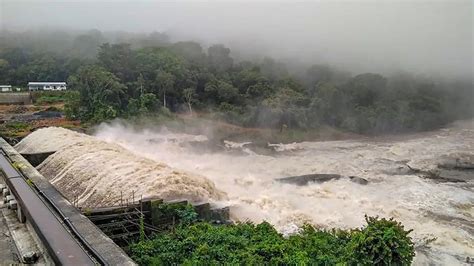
(144, 162)
(441, 214)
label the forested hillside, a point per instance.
(133, 74)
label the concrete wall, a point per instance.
(15, 98)
(36, 158)
(112, 253)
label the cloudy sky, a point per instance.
(432, 37)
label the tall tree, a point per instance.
(102, 95)
(219, 58)
(189, 96)
(118, 59)
(165, 82)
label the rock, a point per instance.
(447, 175)
(460, 161)
(358, 180)
(302, 180)
(456, 168)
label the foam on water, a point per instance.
(443, 211)
(120, 158)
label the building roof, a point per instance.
(45, 83)
(5, 86)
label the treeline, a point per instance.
(149, 74)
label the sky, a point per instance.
(431, 37)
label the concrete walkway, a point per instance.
(8, 253)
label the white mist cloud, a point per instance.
(432, 37)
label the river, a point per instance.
(440, 213)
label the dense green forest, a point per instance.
(123, 75)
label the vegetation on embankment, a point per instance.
(217, 131)
(47, 110)
(379, 242)
(49, 97)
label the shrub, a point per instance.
(49, 97)
(380, 242)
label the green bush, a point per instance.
(49, 97)
(17, 125)
(380, 242)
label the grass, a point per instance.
(14, 129)
(49, 97)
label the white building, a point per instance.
(47, 86)
(5, 88)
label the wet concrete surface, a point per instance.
(8, 252)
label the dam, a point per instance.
(425, 180)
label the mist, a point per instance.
(423, 37)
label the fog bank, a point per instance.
(431, 37)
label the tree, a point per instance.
(327, 105)
(191, 51)
(221, 91)
(87, 45)
(4, 70)
(102, 96)
(318, 73)
(285, 107)
(219, 58)
(273, 70)
(366, 89)
(118, 59)
(165, 82)
(149, 103)
(189, 94)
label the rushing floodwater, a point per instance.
(156, 162)
(443, 211)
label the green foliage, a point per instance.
(142, 228)
(17, 125)
(101, 95)
(183, 213)
(49, 97)
(72, 108)
(221, 91)
(119, 79)
(380, 242)
(12, 129)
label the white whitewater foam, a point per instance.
(420, 204)
(97, 173)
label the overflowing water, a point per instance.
(94, 173)
(440, 213)
(437, 211)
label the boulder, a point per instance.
(460, 161)
(358, 180)
(303, 180)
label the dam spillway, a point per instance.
(94, 173)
